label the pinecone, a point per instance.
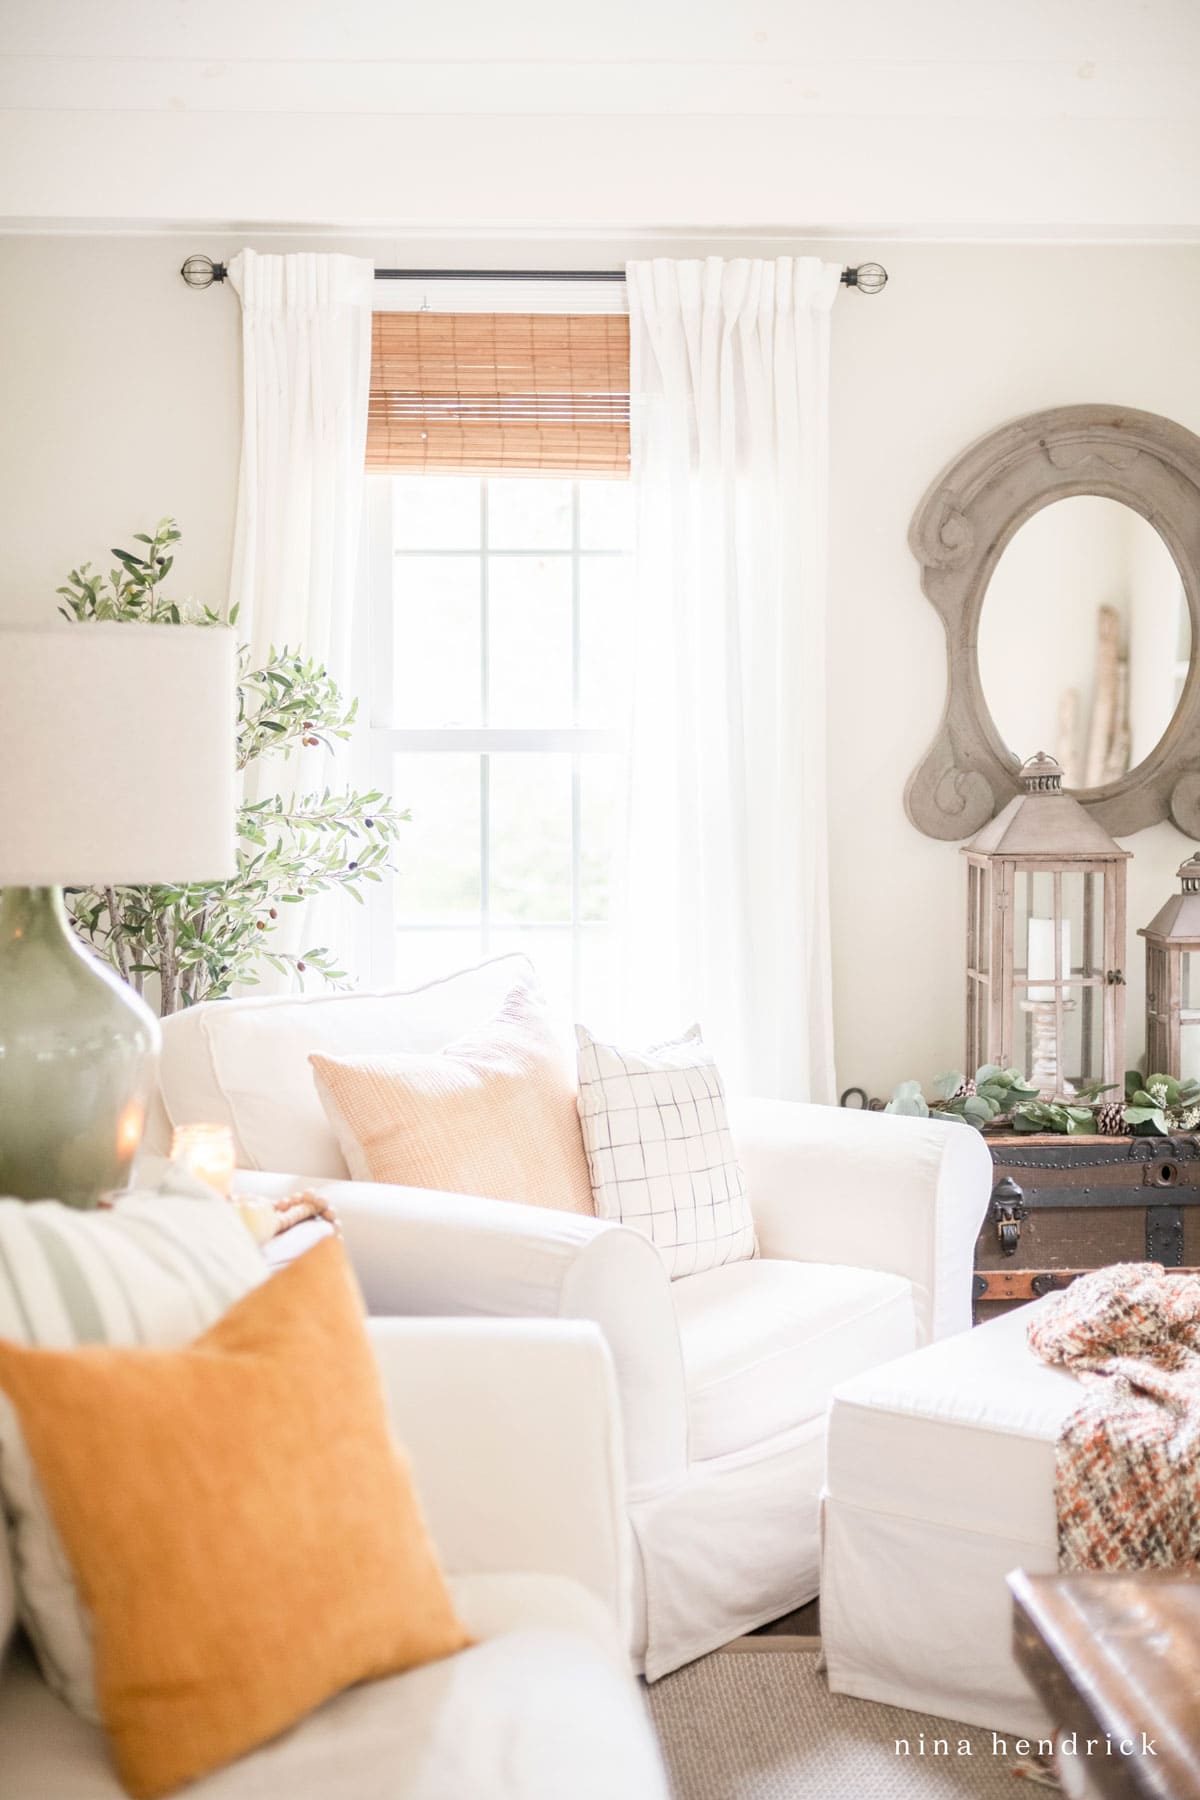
(1110, 1118)
(964, 1090)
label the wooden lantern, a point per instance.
(1046, 940)
(1173, 981)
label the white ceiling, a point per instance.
(919, 117)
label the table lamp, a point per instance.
(117, 767)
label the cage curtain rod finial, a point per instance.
(202, 272)
(868, 278)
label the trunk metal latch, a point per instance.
(1008, 1210)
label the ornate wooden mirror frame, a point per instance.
(958, 534)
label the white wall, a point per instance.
(973, 336)
(120, 395)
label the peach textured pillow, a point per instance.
(241, 1526)
(493, 1113)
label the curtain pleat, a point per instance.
(723, 911)
(306, 361)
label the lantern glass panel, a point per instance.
(1033, 898)
(1085, 1038)
(1189, 1016)
(1189, 987)
(1089, 957)
(981, 921)
(1034, 917)
(1156, 981)
(1059, 1067)
(1059, 1050)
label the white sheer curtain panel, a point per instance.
(306, 366)
(723, 884)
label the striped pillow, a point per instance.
(158, 1268)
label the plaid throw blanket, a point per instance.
(1128, 1460)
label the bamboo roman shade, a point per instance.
(499, 393)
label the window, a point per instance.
(499, 615)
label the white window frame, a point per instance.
(387, 739)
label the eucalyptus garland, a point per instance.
(1154, 1105)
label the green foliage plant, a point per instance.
(196, 942)
(1154, 1105)
(1055, 1115)
(1159, 1105)
(992, 1097)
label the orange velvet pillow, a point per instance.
(241, 1526)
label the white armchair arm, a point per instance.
(514, 1434)
(828, 1184)
(419, 1252)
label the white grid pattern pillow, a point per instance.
(659, 1150)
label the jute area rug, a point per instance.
(760, 1724)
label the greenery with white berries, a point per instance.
(1159, 1106)
(196, 942)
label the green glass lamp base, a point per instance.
(78, 1051)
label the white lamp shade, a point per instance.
(117, 754)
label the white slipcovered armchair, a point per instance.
(530, 1535)
(865, 1226)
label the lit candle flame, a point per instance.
(129, 1128)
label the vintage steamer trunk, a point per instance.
(1061, 1206)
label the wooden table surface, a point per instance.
(1115, 1656)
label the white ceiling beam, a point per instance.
(949, 31)
(405, 173)
(849, 90)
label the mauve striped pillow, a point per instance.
(158, 1269)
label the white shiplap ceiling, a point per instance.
(977, 117)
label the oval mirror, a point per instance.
(1084, 639)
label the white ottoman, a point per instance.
(940, 1480)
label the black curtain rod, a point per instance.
(203, 272)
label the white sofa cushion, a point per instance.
(543, 1706)
(244, 1063)
(764, 1343)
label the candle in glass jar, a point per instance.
(1040, 962)
(206, 1151)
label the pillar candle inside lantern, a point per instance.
(1041, 955)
